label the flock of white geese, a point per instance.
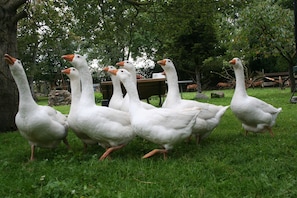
(127, 116)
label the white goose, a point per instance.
(42, 126)
(73, 75)
(131, 68)
(255, 115)
(210, 114)
(109, 127)
(117, 99)
(165, 127)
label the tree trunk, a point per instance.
(8, 44)
(292, 79)
(198, 80)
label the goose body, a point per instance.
(209, 116)
(164, 127)
(255, 114)
(73, 75)
(42, 126)
(117, 99)
(131, 68)
(109, 127)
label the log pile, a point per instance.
(59, 97)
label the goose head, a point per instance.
(166, 64)
(78, 61)
(9, 59)
(236, 63)
(109, 67)
(15, 65)
(126, 65)
(122, 74)
(71, 72)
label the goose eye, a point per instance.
(78, 56)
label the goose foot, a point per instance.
(155, 151)
(109, 150)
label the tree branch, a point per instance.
(14, 5)
(19, 16)
(137, 3)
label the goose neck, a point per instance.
(172, 83)
(25, 96)
(75, 93)
(117, 90)
(240, 83)
(87, 94)
(131, 88)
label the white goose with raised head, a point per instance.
(254, 114)
(109, 127)
(42, 126)
(73, 75)
(165, 127)
(210, 115)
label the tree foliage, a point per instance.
(190, 32)
(262, 30)
(43, 39)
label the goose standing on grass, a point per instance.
(131, 68)
(255, 115)
(42, 126)
(165, 127)
(109, 127)
(117, 99)
(73, 75)
(210, 114)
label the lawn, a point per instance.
(227, 164)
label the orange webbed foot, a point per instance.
(110, 150)
(155, 151)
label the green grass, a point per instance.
(227, 164)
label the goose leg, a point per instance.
(270, 131)
(197, 139)
(189, 139)
(109, 150)
(85, 147)
(66, 143)
(32, 152)
(155, 151)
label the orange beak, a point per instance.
(162, 62)
(9, 59)
(113, 72)
(105, 69)
(120, 63)
(66, 71)
(233, 61)
(68, 57)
